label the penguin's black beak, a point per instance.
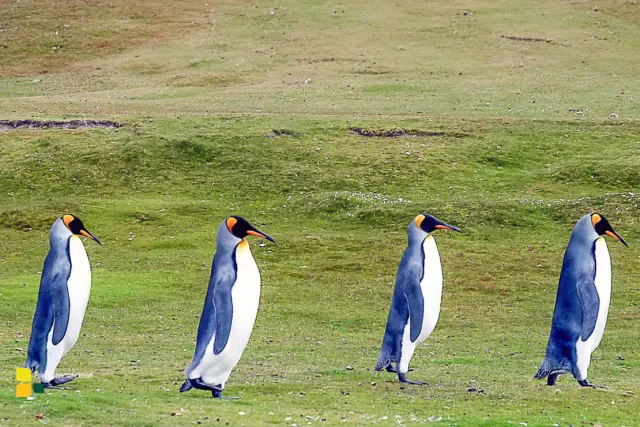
(86, 233)
(616, 236)
(258, 233)
(443, 226)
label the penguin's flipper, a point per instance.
(415, 301)
(590, 306)
(61, 305)
(59, 292)
(223, 277)
(224, 315)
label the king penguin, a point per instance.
(62, 300)
(582, 303)
(415, 305)
(230, 308)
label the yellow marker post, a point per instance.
(24, 390)
(23, 377)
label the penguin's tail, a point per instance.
(549, 366)
(31, 363)
(383, 360)
(186, 386)
(542, 373)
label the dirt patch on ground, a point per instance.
(526, 39)
(397, 133)
(534, 40)
(276, 133)
(51, 124)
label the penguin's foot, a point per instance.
(57, 382)
(48, 386)
(216, 390)
(392, 369)
(217, 394)
(551, 379)
(585, 383)
(403, 379)
(186, 386)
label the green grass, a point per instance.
(218, 123)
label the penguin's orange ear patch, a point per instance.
(419, 220)
(67, 220)
(231, 221)
(595, 218)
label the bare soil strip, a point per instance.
(396, 133)
(52, 124)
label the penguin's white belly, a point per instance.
(245, 297)
(431, 286)
(603, 286)
(79, 285)
(79, 288)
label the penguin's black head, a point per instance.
(76, 226)
(241, 228)
(428, 224)
(602, 226)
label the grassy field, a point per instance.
(524, 118)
